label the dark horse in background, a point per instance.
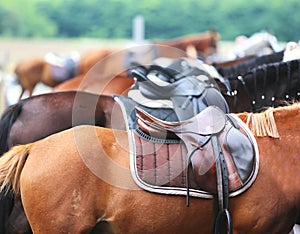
(58, 111)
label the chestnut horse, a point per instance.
(205, 43)
(105, 72)
(97, 188)
(111, 63)
(32, 71)
(97, 84)
(267, 80)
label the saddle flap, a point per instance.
(210, 121)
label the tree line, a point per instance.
(163, 18)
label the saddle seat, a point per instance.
(210, 121)
(197, 133)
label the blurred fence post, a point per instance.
(3, 70)
(2, 93)
(138, 33)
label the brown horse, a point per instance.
(90, 58)
(106, 73)
(29, 73)
(255, 77)
(41, 115)
(32, 71)
(97, 185)
(205, 43)
(97, 84)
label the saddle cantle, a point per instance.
(240, 153)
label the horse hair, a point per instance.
(8, 118)
(263, 124)
(241, 68)
(271, 84)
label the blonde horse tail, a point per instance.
(11, 165)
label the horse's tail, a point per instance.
(8, 118)
(11, 165)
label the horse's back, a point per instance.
(49, 113)
(69, 85)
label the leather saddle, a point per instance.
(220, 154)
(188, 89)
(197, 134)
(62, 67)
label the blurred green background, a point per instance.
(163, 18)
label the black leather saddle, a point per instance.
(219, 152)
(188, 86)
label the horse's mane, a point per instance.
(273, 81)
(244, 67)
(264, 124)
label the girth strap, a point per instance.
(222, 188)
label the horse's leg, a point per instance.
(6, 204)
(21, 94)
(17, 221)
(102, 227)
(30, 92)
